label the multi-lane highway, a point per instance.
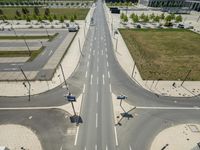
(98, 76)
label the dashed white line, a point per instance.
(89, 57)
(130, 147)
(93, 52)
(107, 64)
(106, 147)
(90, 49)
(106, 49)
(95, 146)
(96, 120)
(97, 68)
(91, 79)
(50, 52)
(103, 79)
(97, 80)
(116, 140)
(83, 88)
(106, 55)
(97, 97)
(88, 64)
(86, 74)
(16, 64)
(97, 60)
(110, 88)
(75, 142)
(108, 74)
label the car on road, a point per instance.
(73, 27)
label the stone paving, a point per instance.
(15, 137)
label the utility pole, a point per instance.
(186, 77)
(27, 46)
(63, 75)
(29, 90)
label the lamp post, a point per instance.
(27, 46)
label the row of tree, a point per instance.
(152, 17)
(26, 15)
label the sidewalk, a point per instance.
(165, 88)
(16, 136)
(69, 64)
(183, 136)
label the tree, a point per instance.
(61, 19)
(72, 19)
(122, 16)
(36, 11)
(47, 12)
(142, 16)
(156, 19)
(173, 16)
(162, 16)
(18, 14)
(125, 19)
(28, 19)
(54, 17)
(50, 19)
(168, 18)
(152, 16)
(135, 18)
(75, 17)
(179, 18)
(1, 12)
(39, 19)
(146, 18)
(25, 11)
(132, 15)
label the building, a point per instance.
(191, 4)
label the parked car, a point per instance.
(73, 27)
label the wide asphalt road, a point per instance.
(98, 76)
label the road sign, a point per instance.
(122, 97)
(71, 98)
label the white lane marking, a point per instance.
(97, 68)
(75, 142)
(85, 148)
(105, 43)
(90, 44)
(96, 120)
(103, 79)
(10, 69)
(43, 53)
(108, 74)
(50, 52)
(61, 147)
(110, 88)
(106, 147)
(97, 97)
(91, 79)
(16, 64)
(89, 57)
(97, 80)
(90, 49)
(106, 49)
(95, 146)
(83, 88)
(86, 74)
(130, 147)
(170, 108)
(106, 55)
(88, 64)
(116, 140)
(107, 64)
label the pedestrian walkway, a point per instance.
(165, 88)
(180, 137)
(18, 137)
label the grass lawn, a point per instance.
(33, 55)
(67, 12)
(165, 54)
(50, 37)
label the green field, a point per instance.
(165, 54)
(81, 13)
(32, 56)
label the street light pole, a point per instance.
(29, 91)
(186, 77)
(63, 75)
(27, 46)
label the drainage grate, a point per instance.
(193, 128)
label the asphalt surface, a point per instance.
(98, 76)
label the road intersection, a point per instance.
(97, 77)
